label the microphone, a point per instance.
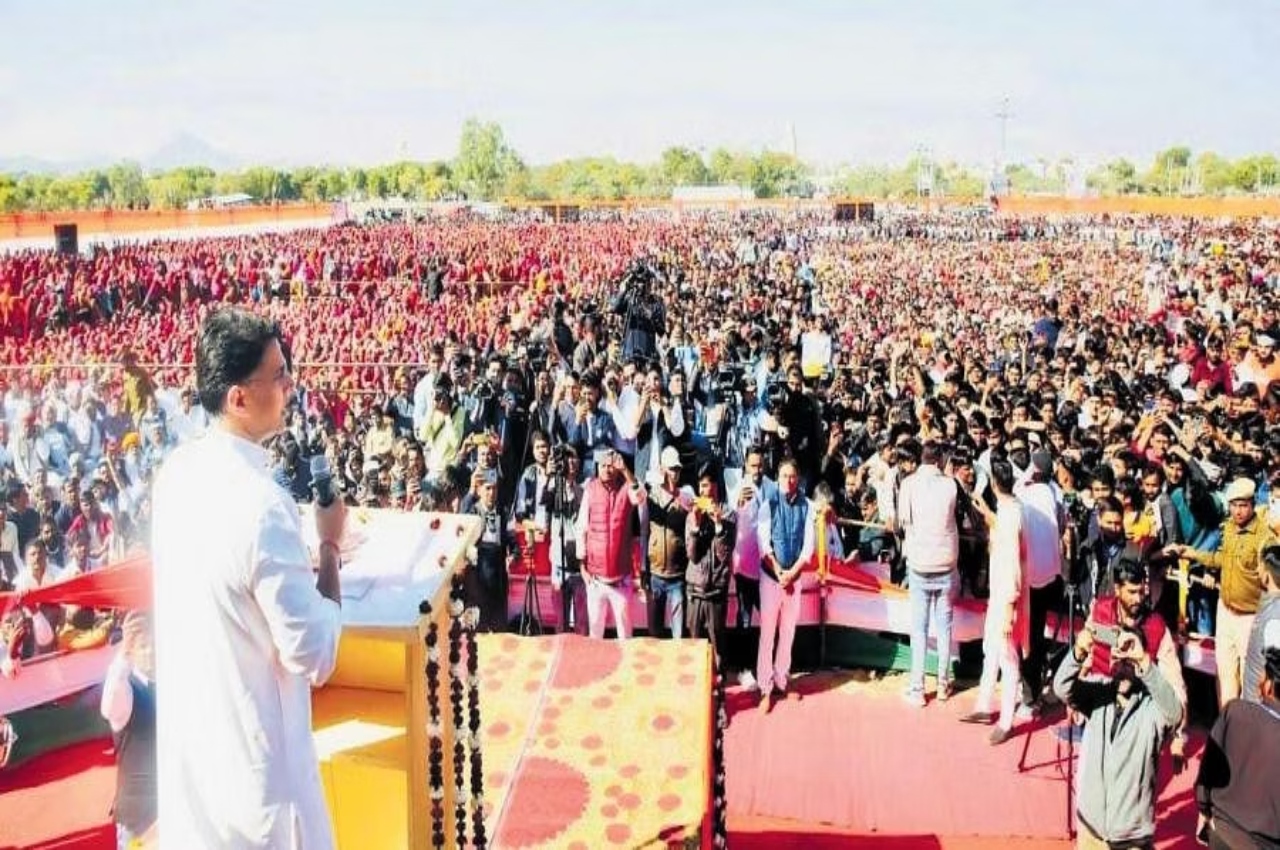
(322, 481)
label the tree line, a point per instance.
(487, 168)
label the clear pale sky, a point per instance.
(370, 81)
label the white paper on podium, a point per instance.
(392, 561)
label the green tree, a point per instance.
(1255, 173)
(127, 186)
(775, 174)
(10, 195)
(683, 167)
(1169, 171)
(485, 162)
(725, 168)
(1213, 173)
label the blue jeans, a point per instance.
(666, 595)
(932, 597)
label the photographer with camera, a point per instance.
(1130, 707)
(796, 424)
(644, 317)
(486, 581)
(563, 497)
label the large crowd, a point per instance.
(709, 361)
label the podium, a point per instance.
(385, 727)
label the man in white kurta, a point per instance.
(243, 632)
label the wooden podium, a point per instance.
(371, 718)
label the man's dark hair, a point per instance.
(1271, 560)
(930, 453)
(1130, 571)
(1002, 475)
(909, 450)
(231, 347)
(1110, 505)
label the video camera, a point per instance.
(556, 463)
(777, 395)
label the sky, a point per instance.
(851, 81)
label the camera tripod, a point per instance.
(1065, 732)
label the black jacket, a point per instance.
(710, 557)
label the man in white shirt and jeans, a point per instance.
(245, 625)
(1043, 520)
(927, 514)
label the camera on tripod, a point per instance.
(556, 463)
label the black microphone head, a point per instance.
(322, 480)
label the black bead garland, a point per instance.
(473, 724)
(720, 831)
(435, 737)
(456, 675)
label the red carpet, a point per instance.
(846, 766)
(60, 800)
(856, 757)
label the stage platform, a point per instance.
(594, 744)
(846, 765)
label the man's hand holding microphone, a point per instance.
(331, 526)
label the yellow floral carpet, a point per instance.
(595, 744)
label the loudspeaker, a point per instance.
(866, 212)
(845, 212)
(66, 237)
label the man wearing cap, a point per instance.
(667, 509)
(1237, 564)
(1260, 367)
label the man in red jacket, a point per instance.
(606, 541)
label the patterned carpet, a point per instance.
(591, 744)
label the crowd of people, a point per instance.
(1034, 412)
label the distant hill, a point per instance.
(187, 149)
(182, 149)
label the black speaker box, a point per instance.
(66, 238)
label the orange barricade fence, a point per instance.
(1241, 207)
(124, 222)
(98, 222)
(1244, 207)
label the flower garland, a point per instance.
(719, 826)
(457, 677)
(435, 737)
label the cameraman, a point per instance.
(530, 504)
(562, 499)
(644, 316)
(798, 421)
(1128, 714)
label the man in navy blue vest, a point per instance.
(786, 535)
